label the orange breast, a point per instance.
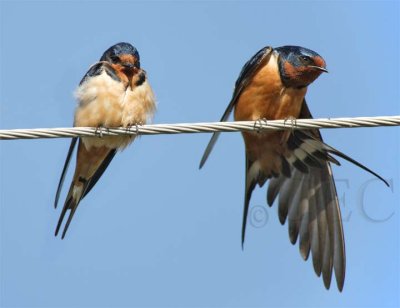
(267, 98)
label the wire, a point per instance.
(190, 128)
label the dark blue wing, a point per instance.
(64, 171)
(248, 71)
(99, 172)
(95, 70)
(71, 204)
(98, 68)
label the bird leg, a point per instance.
(137, 124)
(286, 133)
(99, 131)
(258, 124)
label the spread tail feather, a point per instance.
(307, 201)
(317, 148)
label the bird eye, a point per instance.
(306, 59)
(114, 59)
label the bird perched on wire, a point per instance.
(114, 92)
(272, 85)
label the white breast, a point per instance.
(138, 105)
(105, 102)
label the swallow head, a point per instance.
(124, 56)
(298, 66)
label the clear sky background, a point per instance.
(156, 231)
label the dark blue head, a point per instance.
(299, 66)
(122, 54)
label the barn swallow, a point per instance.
(272, 85)
(114, 93)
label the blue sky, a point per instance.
(156, 231)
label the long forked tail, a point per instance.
(75, 195)
(90, 167)
(64, 171)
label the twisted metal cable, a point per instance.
(190, 128)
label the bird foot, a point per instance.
(258, 124)
(99, 130)
(136, 125)
(293, 122)
(286, 133)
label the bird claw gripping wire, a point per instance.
(293, 123)
(128, 128)
(286, 133)
(136, 125)
(68, 132)
(258, 124)
(99, 131)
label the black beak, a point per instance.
(320, 68)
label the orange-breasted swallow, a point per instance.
(113, 93)
(272, 85)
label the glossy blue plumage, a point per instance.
(120, 49)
